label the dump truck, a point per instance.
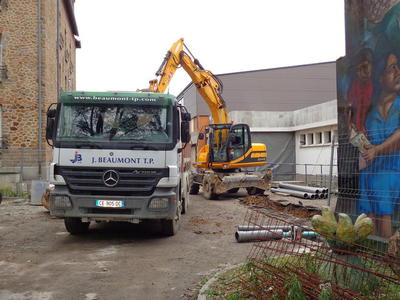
(117, 157)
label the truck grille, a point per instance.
(132, 182)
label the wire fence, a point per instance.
(289, 260)
(18, 167)
(369, 173)
(316, 175)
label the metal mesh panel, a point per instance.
(369, 181)
(359, 272)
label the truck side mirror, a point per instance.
(185, 132)
(186, 116)
(50, 125)
(50, 129)
(51, 113)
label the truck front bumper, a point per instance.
(162, 204)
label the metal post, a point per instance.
(21, 166)
(305, 171)
(331, 170)
(320, 184)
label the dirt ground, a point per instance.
(40, 260)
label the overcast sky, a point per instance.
(125, 41)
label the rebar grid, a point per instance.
(358, 272)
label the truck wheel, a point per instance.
(234, 190)
(75, 226)
(254, 191)
(208, 191)
(194, 189)
(171, 227)
(185, 199)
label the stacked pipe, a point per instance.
(251, 233)
(304, 192)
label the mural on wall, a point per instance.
(368, 85)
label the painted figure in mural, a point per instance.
(379, 190)
(360, 92)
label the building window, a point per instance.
(335, 134)
(302, 139)
(328, 137)
(318, 138)
(310, 139)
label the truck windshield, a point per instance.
(110, 123)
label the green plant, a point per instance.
(8, 192)
(294, 289)
(211, 293)
(234, 296)
(326, 294)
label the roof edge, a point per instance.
(180, 95)
(71, 17)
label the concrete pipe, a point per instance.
(302, 188)
(258, 235)
(300, 194)
(255, 227)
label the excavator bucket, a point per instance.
(223, 182)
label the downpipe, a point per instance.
(39, 82)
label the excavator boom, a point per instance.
(229, 146)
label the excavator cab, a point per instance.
(229, 147)
(228, 142)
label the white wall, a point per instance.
(307, 121)
(315, 153)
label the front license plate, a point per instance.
(110, 203)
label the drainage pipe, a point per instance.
(255, 227)
(258, 235)
(302, 188)
(303, 195)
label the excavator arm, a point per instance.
(229, 146)
(209, 87)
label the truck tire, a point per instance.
(208, 191)
(254, 191)
(75, 226)
(194, 189)
(234, 190)
(171, 227)
(185, 199)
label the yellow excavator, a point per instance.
(224, 162)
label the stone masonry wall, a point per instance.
(19, 92)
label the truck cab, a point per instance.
(117, 157)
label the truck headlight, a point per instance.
(62, 201)
(159, 203)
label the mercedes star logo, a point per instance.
(110, 178)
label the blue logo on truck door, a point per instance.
(77, 158)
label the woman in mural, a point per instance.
(379, 181)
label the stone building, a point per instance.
(38, 41)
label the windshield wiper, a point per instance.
(142, 147)
(88, 145)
